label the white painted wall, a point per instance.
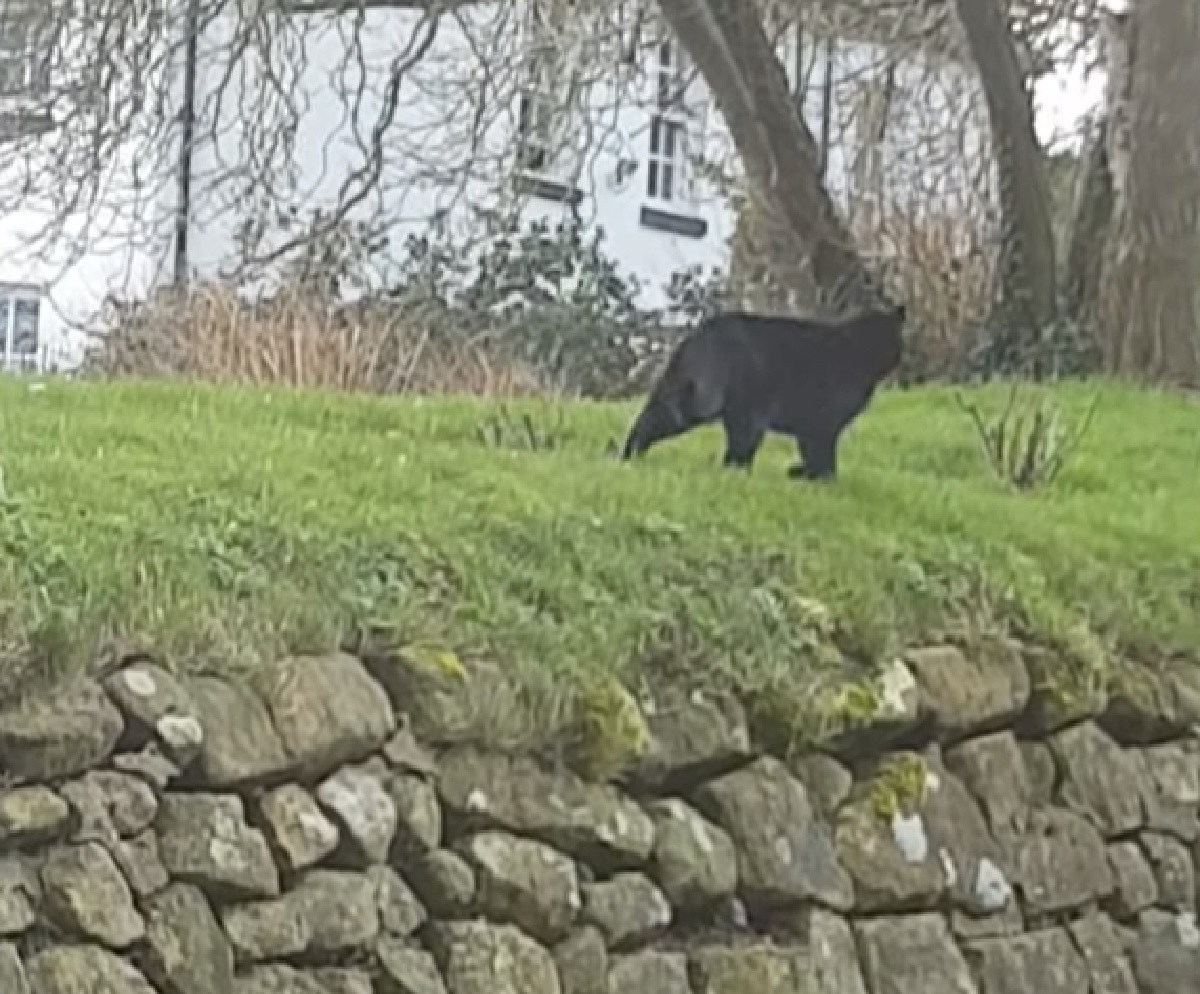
(422, 153)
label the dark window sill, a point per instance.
(549, 189)
(674, 224)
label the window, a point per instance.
(22, 70)
(20, 320)
(534, 135)
(667, 177)
(538, 108)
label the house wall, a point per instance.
(423, 151)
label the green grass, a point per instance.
(229, 527)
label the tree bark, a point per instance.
(1152, 309)
(1027, 292)
(727, 43)
(1090, 230)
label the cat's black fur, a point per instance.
(807, 379)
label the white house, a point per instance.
(582, 129)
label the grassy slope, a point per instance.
(228, 527)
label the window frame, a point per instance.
(20, 53)
(669, 126)
(14, 297)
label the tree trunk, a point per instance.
(1152, 308)
(727, 43)
(1090, 231)
(1027, 292)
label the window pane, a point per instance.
(655, 135)
(25, 327)
(668, 175)
(652, 179)
(3, 327)
(669, 148)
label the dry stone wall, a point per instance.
(973, 836)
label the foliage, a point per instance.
(1027, 448)
(229, 526)
(1061, 350)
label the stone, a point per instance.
(1134, 886)
(400, 911)
(694, 861)
(1042, 772)
(12, 971)
(628, 910)
(1153, 703)
(912, 953)
(740, 969)
(240, 746)
(59, 736)
(328, 712)
(30, 816)
(341, 909)
(1108, 967)
(297, 827)
(406, 755)
(276, 978)
(965, 696)
(329, 912)
(340, 980)
(594, 823)
(992, 768)
(1062, 863)
(823, 962)
(20, 895)
(182, 736)
(893, 864)
(1099, 780)
(364, 809)
(637, 973)
(83, 970)
(1063, 694)
(445, 883)
(524, 883)
(827, 781)
(405, 970)
(1046, 962)
(85, 893)
(151, 698)
(481, 958)
(267, 930)
(972, 862)
(186, 951)
(1166, 953)
(1171, 789)
(895, 712)
(1174, 874)
(110, 806)
(444, 701)
(829, 960)
(204, 839)
(139, 860)
(582, 962)
(418, 815)
(693, 737)
(149, 764)
(968, 928)
(784, 854)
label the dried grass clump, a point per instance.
(298, 340)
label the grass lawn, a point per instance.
(229, 527)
